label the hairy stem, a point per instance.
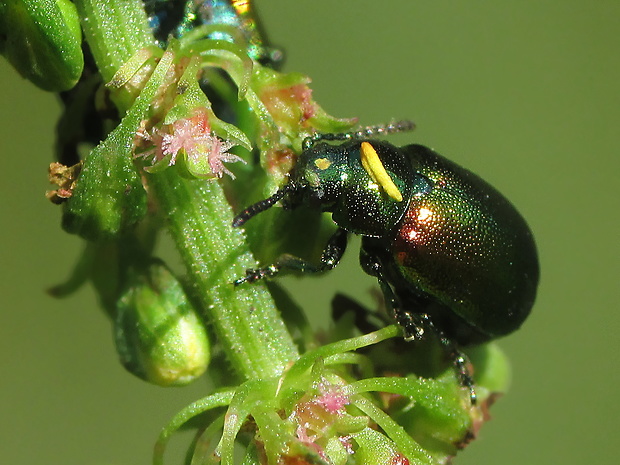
(115, 31)
(199, 219)
(245, 318)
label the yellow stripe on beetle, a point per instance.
(373, 166)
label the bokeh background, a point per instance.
(524, 93)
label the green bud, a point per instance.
(492, 371)
(288, 99)
(42, 39)
(159, 336)
(108, 197)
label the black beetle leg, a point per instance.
(416, 325)
(461, 364)
(332, 253)
(371, 264)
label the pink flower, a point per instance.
(219, 154)
(317, 418)
(155, 153)
(190, 135)
(193, 138)
(332, 399)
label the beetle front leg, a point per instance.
(331, 255)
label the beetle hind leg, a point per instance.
(462, 365)
(415, 325)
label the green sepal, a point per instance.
(109, 196)
(440, 419)
(192, 98)
(159, 165)
(375, 449)
(42, 39)
(191, 168)
(159, 335)
(492, 370)
(287, 97)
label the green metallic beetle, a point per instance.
(451, 254)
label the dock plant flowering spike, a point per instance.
(210, 83)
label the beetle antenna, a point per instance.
(364, 133)
(261, 206)
(384, 129)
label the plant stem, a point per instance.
(245, 318)
(199, 219)
(115, 31)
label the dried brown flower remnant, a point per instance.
(65, 178)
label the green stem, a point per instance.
(247, 322)
(115, 31)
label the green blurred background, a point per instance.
(523, 93)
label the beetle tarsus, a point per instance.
(255, 274)
(462, 366)
(415, 327)
(334, 249)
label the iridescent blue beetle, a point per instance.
(233, 21)
(452, 255)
